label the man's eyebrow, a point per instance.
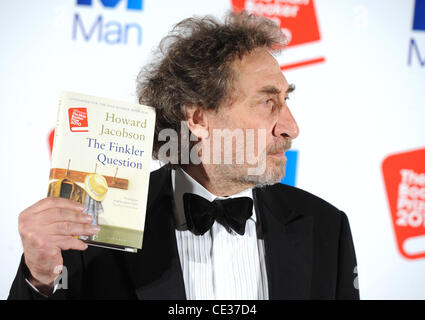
(274, 90)
(291, 88)
(269, 90)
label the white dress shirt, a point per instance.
(219, 264)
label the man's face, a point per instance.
(257, 104)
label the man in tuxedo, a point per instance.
(213, 230)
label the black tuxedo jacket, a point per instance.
(308, 250)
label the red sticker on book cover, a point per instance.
(404, 176)
(78, 121)
(297, 19)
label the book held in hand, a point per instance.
(102, 151)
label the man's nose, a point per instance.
(286, 124)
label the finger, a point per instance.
(53, 215)
(55, 202)
(70, 243)
(66, 228)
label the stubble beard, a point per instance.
(273, 173)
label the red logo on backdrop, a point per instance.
(297, 19)
(78, 119)
(404, 176)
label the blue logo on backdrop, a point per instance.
(291, 168)
(418, 25)
(111, 32)
(131, 4)
(419, 16)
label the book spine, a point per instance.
(58, 132)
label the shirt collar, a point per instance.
(183, 183)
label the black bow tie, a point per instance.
(201, 213)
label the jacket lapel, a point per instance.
(288, 245)
(155, 270)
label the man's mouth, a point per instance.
(279, 150)
(280, 154)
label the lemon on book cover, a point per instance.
(96, 186)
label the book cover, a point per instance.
(101, 157)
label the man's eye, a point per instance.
(286, 98)
(269, 102)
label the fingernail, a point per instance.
(88, 218)
(80, 207)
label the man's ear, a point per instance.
(197, 121)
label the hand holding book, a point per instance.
(98, 184)
(46, 228)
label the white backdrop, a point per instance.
(363, 103)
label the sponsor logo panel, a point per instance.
(404, 177)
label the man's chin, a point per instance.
(273, 173)
(269, 173)
(276, 164)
